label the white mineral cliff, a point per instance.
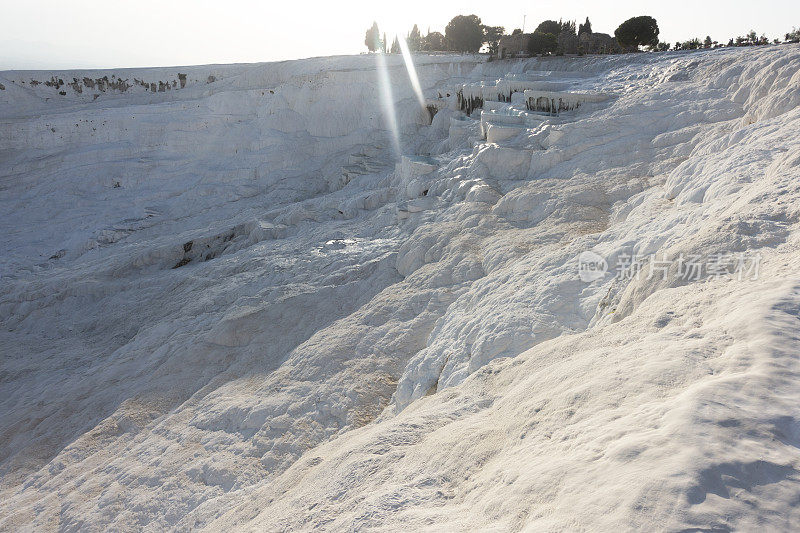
(227, 303)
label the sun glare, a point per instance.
(387, 101)
(412, 72)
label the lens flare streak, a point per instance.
(387, 101)
(412, 71)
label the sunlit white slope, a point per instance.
(350, 343)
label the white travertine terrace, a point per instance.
(555, 102)
(230, 306)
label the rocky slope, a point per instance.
(232, 304)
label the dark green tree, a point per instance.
(465, 33)
(516, 31)
(692, 44)
(637, 31)
(414, 40)
(372, 39)
(586, 27)
(556, 28)
(542, 43)
(549, 26)
(707, 42)
(395, 46)
(434, 42)
(491, 36)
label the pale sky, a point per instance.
(39, 34)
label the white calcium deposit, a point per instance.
(228, 302)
